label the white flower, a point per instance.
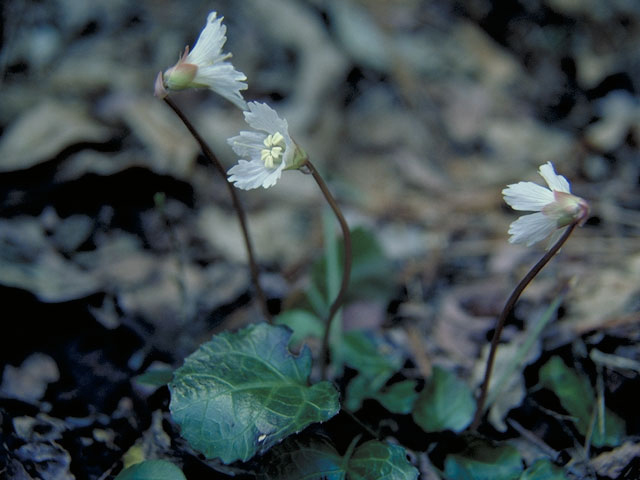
(556, 207)
(266, 153)
(206, 67)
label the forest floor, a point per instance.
(120, 251)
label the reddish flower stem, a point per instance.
(346, 272)
(513, 298)
(242, 218)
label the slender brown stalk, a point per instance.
(515, 295)
(346, 272)
(242, 218)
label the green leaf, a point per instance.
(482, 461)
(314, 459)
(304, 458)
(543, 469)
(577, 397)
(375, 460)
(303, 323)
(155, 378)
(376, 361)
(399, 397)
(360, 388)
(370, 354)
(369, 270)
(241, 393)
(446, 403)
(152, 470)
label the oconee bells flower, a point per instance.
(205, 66)
(556, 207)
(266, 152)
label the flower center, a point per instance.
(272, 154)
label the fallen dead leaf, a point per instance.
(610, 464)
(29, 261)
(603, 298)
(42, 132)
(29, 381)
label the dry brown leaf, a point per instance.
(526, 141)
(29, 381)
(119, 261)
(278, 234)
(602, 296)
(513, 389)
(172, 149)
(494, 63)
(29, 261)
(458, 332)
(91, 161)
(42, 132)
(620, 113)
(610, 464)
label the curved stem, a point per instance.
(362, 425)
(515, 295)
(346, 272)
(242, 218)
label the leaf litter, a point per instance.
(419, 114)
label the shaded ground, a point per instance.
(418, 113)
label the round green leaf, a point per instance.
(241, 393)
(578, 398)
(482, 461)
(399, 397)
(446, 403)
(376, 460)
(304, 324)
(154, 378)
(370, 354)
(370, 268)
(152, 470)
(303, 459)
(543, 469)
(374, 358)
(314, 458)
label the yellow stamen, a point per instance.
(271, 155)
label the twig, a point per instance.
(534, 439)
(362, 425)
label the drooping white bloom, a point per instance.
(556, 207)
(206, 67)
(265, 153)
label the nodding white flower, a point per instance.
(205, 67)
(265, 153)
(556, 207)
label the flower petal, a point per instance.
(208, 47)
(205, 66)
(225, 80)
(248, 144)
(527, 196)
(555, 236)
(531, 228)
(556, 182)
(250, 175)
(262, 151)
(262, 117)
